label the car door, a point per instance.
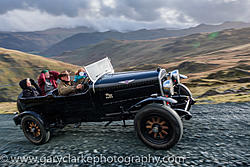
(79, 107)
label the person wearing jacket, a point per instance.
(80, 75)
(47, 81)
(66, 87)
(28, 89)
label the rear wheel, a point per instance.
(34, 131)
(158, 126)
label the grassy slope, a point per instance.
(8, 107)
(16, 65)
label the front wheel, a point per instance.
(158, 126)
(34, 131)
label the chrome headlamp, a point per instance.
(168, 87)
(175, 76)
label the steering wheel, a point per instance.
(85, 84)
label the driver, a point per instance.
(80, 75)
(66, 87)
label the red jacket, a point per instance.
(53, 78)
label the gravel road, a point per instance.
(217, 135)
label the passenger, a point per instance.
(47, 81)
(80, 75)
(66, 87)
(28, 89)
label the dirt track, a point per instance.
(217, 135)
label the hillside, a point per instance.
(160, 51)
(39, 40)
(85, 39)
(16, 65)
(213, 61)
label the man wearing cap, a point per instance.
(47, 81)
(66, 87)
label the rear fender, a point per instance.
(149, 100)
(17, 119)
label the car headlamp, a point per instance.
(168, 87)
(175, 76)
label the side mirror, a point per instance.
(158, 69)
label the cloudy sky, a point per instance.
(121, 15)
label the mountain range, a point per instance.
(53, 42)
(84, 39)
(35, 42)
(146, 54)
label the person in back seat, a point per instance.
(47, 81)
(28, 89)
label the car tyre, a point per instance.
(158, 126)
(34, 130)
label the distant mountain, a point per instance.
(125, 53)
(85, 39)
(39, 40)
(225, 25)
(16, 65)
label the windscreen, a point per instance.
(98, 69)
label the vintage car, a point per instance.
(155, 100)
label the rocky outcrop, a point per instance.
(210, 92)
(213, 92)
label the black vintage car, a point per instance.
(155, 100)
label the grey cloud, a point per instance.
(55, 7)
(6, 5)
(135, 13)
(59, 7)
(215, 11)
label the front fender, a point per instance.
(185, 89)
(149, 100)
(17, 118)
